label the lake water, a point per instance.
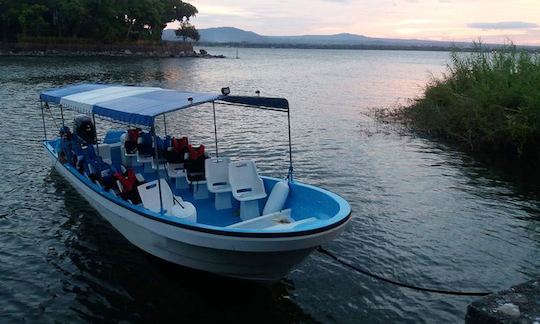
(423, 212)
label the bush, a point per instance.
(488, 100)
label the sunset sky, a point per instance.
(459, 20)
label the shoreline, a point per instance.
(158, 50)
(369, 47)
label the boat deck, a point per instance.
(206, 212)
(308, 208)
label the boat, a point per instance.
(174, 200)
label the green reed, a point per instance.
(488, 100)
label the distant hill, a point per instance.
(231, 35)
(239, 37)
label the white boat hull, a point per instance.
(264, 259)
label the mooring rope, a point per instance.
(401, 284)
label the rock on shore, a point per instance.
(111, 50)
(519, 304)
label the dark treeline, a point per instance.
(98, 20)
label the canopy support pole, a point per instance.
(43, 118)
(153, 132)
(62, 113)
(165, 124)
(215, 127)
(290, 175)
(95, 135)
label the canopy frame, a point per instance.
(149, 119)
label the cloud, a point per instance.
(503, 25)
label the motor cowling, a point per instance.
(85, 129)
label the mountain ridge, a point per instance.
(230, 35)
(219, 36)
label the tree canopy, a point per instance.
(100, 20)
(186, 31)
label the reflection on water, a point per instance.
(423, 212)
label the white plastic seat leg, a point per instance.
(146, 162)
(200, 191)
(223, 200)
(177, 172)
(249, 209)
(147, 167)
(181, 183)
(130, 159)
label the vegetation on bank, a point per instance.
(489, 101)
(99, 21)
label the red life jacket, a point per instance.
(127, 180)
(180, 144)
(195, 153)
(132, 135)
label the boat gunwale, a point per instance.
(138, 210)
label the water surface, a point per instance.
(423, 212)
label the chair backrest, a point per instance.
(245, 180)
(149, 193)
(145, 144)
(104, 150)
(217, 173)
(130, 141)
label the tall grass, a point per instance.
(489, 101)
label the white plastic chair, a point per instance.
(217, 181)
(247, 187)
(104, 150)
(177, 172)
(172, 205)
(128, 159)
(146, 161)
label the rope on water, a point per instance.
(397, 283)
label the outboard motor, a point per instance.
(85, 129)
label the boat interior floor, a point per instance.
(206, 211)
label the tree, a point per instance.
(31, 16)
(71, 17)
(178, 10)
(143, 17)
(186, 31)
(100, 20)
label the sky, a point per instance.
(492, 21)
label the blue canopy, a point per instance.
(140, 105)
